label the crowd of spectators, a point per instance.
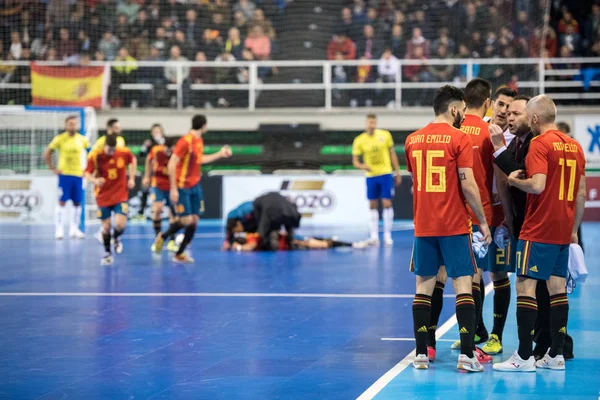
(390, 30)
(140, 30)
(81, 31)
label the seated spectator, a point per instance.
(462, 71)
(523, 28)
(16, 47)
(201, 75)
(211, 44)
(51, 55)
(595, 45)
(265, 24)
(416, 73)
(444, 40)
(223, 8)
(84, 42)
(84, 60)
(187, 48)
(396, 42)
(40, 46)
(343, 45)
(122, 28)
(129, 8)
(258, 43)
(347, 24)
(122, 74)
(66, 46)
(171, 74)
(535, 44)
(169, 27)
(161, 42)
(591, 26)
(246, 7)
(359, 12)
(368, 46)
(192, 26)
(441, 73)
(376, 23)
(95, 29)
(57, 12)
(175, 11)
(138, 47)
(234, 44)
(218, 25)
(571, 39)
(109, 46)
(143, 25)
(417, 41)
(567, 20)
(241, 23)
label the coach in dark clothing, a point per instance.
(511, 158)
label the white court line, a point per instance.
(382, 382)
(309, 295)
(397, 339)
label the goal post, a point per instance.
(25, 132)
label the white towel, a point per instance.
(479, 246)
(502, 237)
(577, 267)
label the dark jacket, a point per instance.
(508, 162)
(272, 210)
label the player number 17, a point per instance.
(430, 169)
(572, 164)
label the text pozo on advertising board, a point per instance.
(28, 197)
(308, 195)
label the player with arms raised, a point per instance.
(185, 191)
(440, 157)
(156, 175)
(376, 147)
(107, 170)
(71, 147)
(555, 187)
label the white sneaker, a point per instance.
(107, 259)
(421, 362)
(60, 233)
(516, 364)
(469, 364)
(547, 362)
(388, 242)
(118, 246)
(361, 245)
(373, 242)
(75, 233)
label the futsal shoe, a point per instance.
(159, 242)
(469, 364)
(118, 246)
(107, 259)
(75, 233)
(182, 259)
(493, 345)
(482, 357)
(455, 345)
(516, 364)
(172, 246)
(388, 242)
(556, 363)
(60, 233)
(431, 353)
(421, 362)
(373, 242)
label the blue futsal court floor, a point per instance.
(297, 325)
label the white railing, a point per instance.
(551, 73)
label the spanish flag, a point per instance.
(67, 86)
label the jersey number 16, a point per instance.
(430, 169)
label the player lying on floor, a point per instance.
(279, 241)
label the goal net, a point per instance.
(28, 190)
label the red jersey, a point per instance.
(189, 149)
(483, 162)
(550, 216)
(114, 171)
(159, 160)
(433, 155)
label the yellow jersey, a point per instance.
(375, 151)
(71, 151)
(100, 142)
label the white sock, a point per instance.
(374, 224)
(75, 217)
(59, 217)
(388, 220)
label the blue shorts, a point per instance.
(70, 188)
(380, 187)
(542, 260)
(497, 259)
(162, 196)
(455, 252)
(191, 201)
(106, 212)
